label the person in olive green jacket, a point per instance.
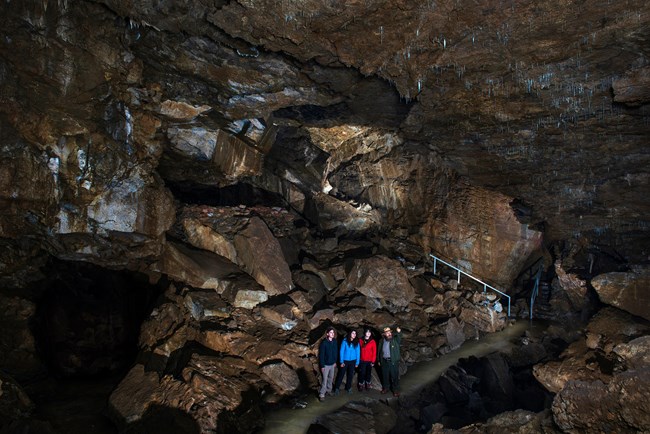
(388, 356)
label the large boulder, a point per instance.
(382, 279)
(627, 291)
(621, 405)
(260, 254)
(367, 416)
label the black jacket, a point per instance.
(328, 352)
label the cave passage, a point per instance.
(88, 318)
(298, 421)
(232, 195)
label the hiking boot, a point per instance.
(336, 392)
(349, 391)
(367, 386)
(361, 387)
(321, 398)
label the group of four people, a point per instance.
(363, 354)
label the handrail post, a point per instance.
(485, 285)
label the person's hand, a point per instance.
(342, 365)
(356, 366)
(372, 364)
(322, 369)
(399, 330)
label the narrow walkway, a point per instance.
(297, 421)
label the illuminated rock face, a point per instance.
(282, 166)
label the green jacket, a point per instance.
(394, 348)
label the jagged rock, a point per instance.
(518, 421)
(620, 405)
(204, 237)
(390, 286)
(365, 416)
(261, 256)
(591, 358)
(634, 354)
(330, 213)
(326, 277)
(309, 281)
(181, 110)
(208, 386)
(306, 300)
(281, 316)
(456, 385)
(574, 287)
(200, 268)
(319, 316)
(162, 323)
(555, 375)
(483, 318)
(496, 382)
(235, 343)
(282, 377)
(15, 404)
(19, 354)
(444, 304)
(454, 333)
(432, 414)
(611, 326)
(632, 88)
(248, 299)
(205, 305)
(626, 291)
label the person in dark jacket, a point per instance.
(349, 357)
(389, 356)
(327, 356)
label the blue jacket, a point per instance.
(327, 352)
(350, 352)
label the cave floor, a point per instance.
(74, 406)
(298, 420)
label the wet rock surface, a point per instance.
(243, 175)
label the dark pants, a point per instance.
(365, 373)
(390, 375)
(348, 371)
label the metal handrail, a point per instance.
(535, 291)
(485, 285)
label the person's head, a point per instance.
(352, 335)
(330, 333)
(367, 334)
(388, 333)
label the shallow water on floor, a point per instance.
(297, 421)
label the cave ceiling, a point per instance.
(544, 102)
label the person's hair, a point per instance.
(330, 329)
(354, 341)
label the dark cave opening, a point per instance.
(88, 318)
(86, 328)
(232, 195)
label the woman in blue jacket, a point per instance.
(349, 356)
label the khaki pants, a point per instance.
(328, 378)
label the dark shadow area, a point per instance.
(88, 318)
(86, 327)
(164, 420)
(232, 195)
